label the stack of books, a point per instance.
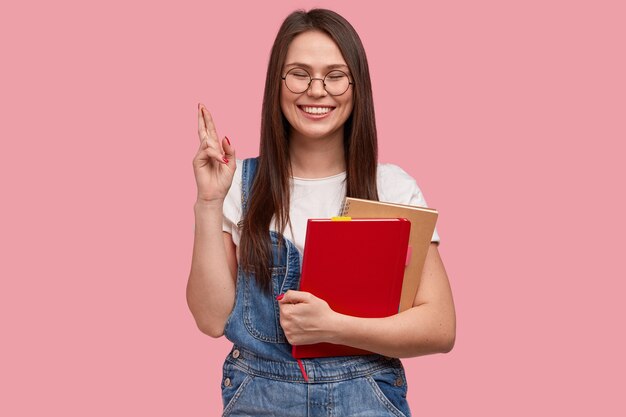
(366, 263)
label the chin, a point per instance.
(316, 134)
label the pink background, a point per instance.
(511, 115)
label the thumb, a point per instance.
(294, 297)
(228, 147)
(229, 151)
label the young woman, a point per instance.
(318, 145)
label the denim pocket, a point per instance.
(389, 386)
(234, 382)
(261, 314)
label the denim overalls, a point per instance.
(261, 378)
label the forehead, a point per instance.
(315, 49)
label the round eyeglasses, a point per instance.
(335, 82)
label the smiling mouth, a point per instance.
(316, 110)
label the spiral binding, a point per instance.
(344, 207)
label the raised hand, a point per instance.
(214, 163)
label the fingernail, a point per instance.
(227, 140)
(225, 160)
(280, 296)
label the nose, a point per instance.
(316, 89)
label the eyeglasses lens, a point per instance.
(335, 82)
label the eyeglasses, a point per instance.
(335, 82)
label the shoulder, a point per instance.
(392, 172)
(395, 185)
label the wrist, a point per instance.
(217, 204)
(337, 326)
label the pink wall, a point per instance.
(510, 116)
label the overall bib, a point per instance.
(261, 378)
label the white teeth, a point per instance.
(316, 110)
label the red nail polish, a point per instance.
(227, 140)
(280, 296)
(225, 160)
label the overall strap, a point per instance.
(248, 174)
(247, 179)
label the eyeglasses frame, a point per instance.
(323, 80)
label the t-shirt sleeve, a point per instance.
(232, 203)
(396, 186)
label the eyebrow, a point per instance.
(300, 64)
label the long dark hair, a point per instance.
(269, 197)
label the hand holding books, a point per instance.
(304, 317)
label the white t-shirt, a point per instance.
(323, 198)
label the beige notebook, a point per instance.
(422, 220)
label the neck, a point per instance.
(317, 157)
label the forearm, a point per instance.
(421, 330)
(211, 287)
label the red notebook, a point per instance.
(357, 267)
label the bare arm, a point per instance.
(428, 327)
(211, 284)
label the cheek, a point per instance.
(348, 100)
(349, 106)
(285, 105)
